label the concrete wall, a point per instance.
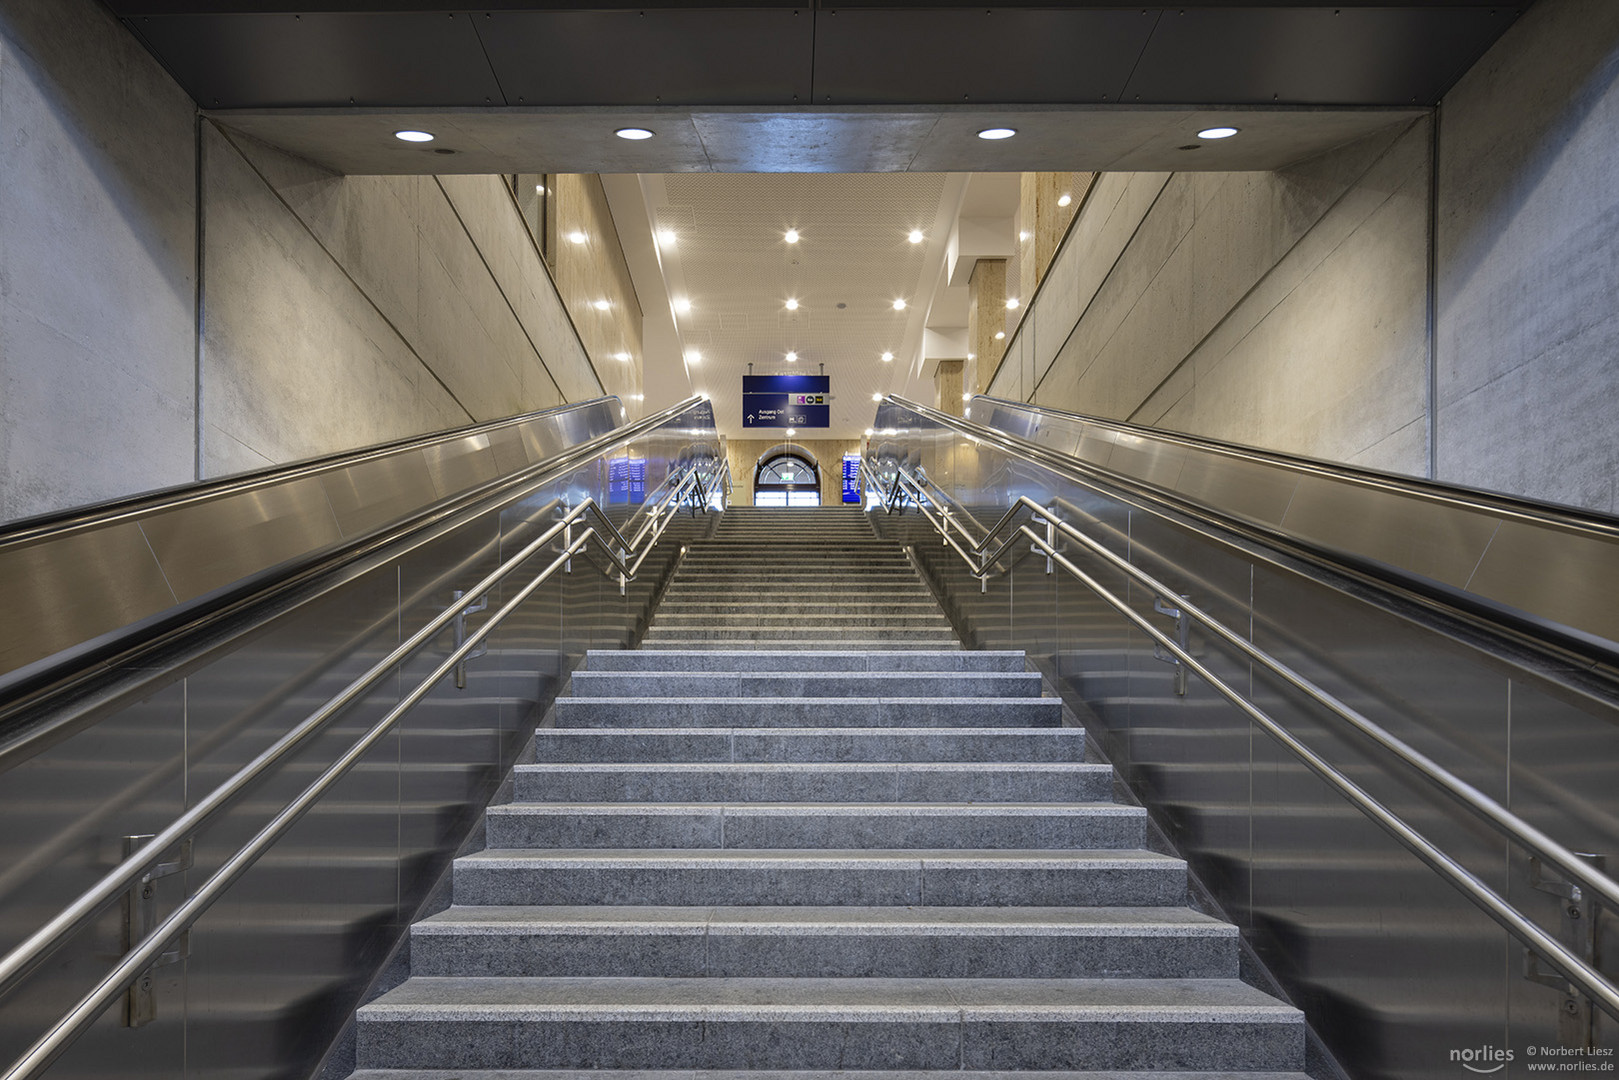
(1291, 310)
(1528, 261)
(1285, 310)
(329, 312)
(97, 262)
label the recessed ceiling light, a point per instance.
(1064, 199)
(997, 133)
(792, 358)
(1011, 303)
(792, 236)
(888, 357)
(876, 397)
(577, 237)
(792, 305)
(633, 134)
(915, 237)
(414, 136)
(621, 356)
(682, 305)
(539, 189)
(870, 432)
(899, 305)
(1218, 132)
(693, 356)
(1000, 335)
(602, 305)
(666, 238)
(791, 432)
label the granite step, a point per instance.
(842, 877)
(853, 660)
(806, 684)
(793, 826)
(761, 1023)
(829, 942)
(824, 782)
(750, 744)
(801, 712)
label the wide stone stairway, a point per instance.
(800, 829)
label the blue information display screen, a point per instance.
(851, 478)
(626, 480)
(786, 401)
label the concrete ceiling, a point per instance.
(868, 139)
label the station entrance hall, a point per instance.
(892, 540)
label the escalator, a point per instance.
(245, 725)
(1366, 721)
(1378, 716)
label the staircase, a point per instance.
(787, 840)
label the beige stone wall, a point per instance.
(1285, 310)
(744, 454)
(591, 272)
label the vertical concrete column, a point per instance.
(947, 384)
(986, 317)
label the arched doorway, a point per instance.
(786, 478)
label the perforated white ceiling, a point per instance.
(853, 259)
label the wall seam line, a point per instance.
(1433, 294)
(403, 340)
(545, 268)
(199, 238)
(1275, 266)
(1123, 250)
(495, 281)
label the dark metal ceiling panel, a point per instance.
(752, 53)
(668, 57)
(1312, 56)
(1004, 55)
(276, 61)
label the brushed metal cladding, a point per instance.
(110, 568)
(1564, 577)
(1558, 566)
(370, 494)
(278, 964)
(71, 590)
(458, 464)
(1386, 958)
(204, 546)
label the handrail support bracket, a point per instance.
(1183, 636)
(1575, 1015)
(140, 916)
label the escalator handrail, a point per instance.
(95, 515)
(1508, 824)
(1534, 511)
(59, 697)
(27, 955)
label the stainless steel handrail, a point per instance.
(1509, 824)
(79, 705)
(28, 954)
(150, 948)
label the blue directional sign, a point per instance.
(851, 478)
(786, 401)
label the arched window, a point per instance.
(783, 478)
